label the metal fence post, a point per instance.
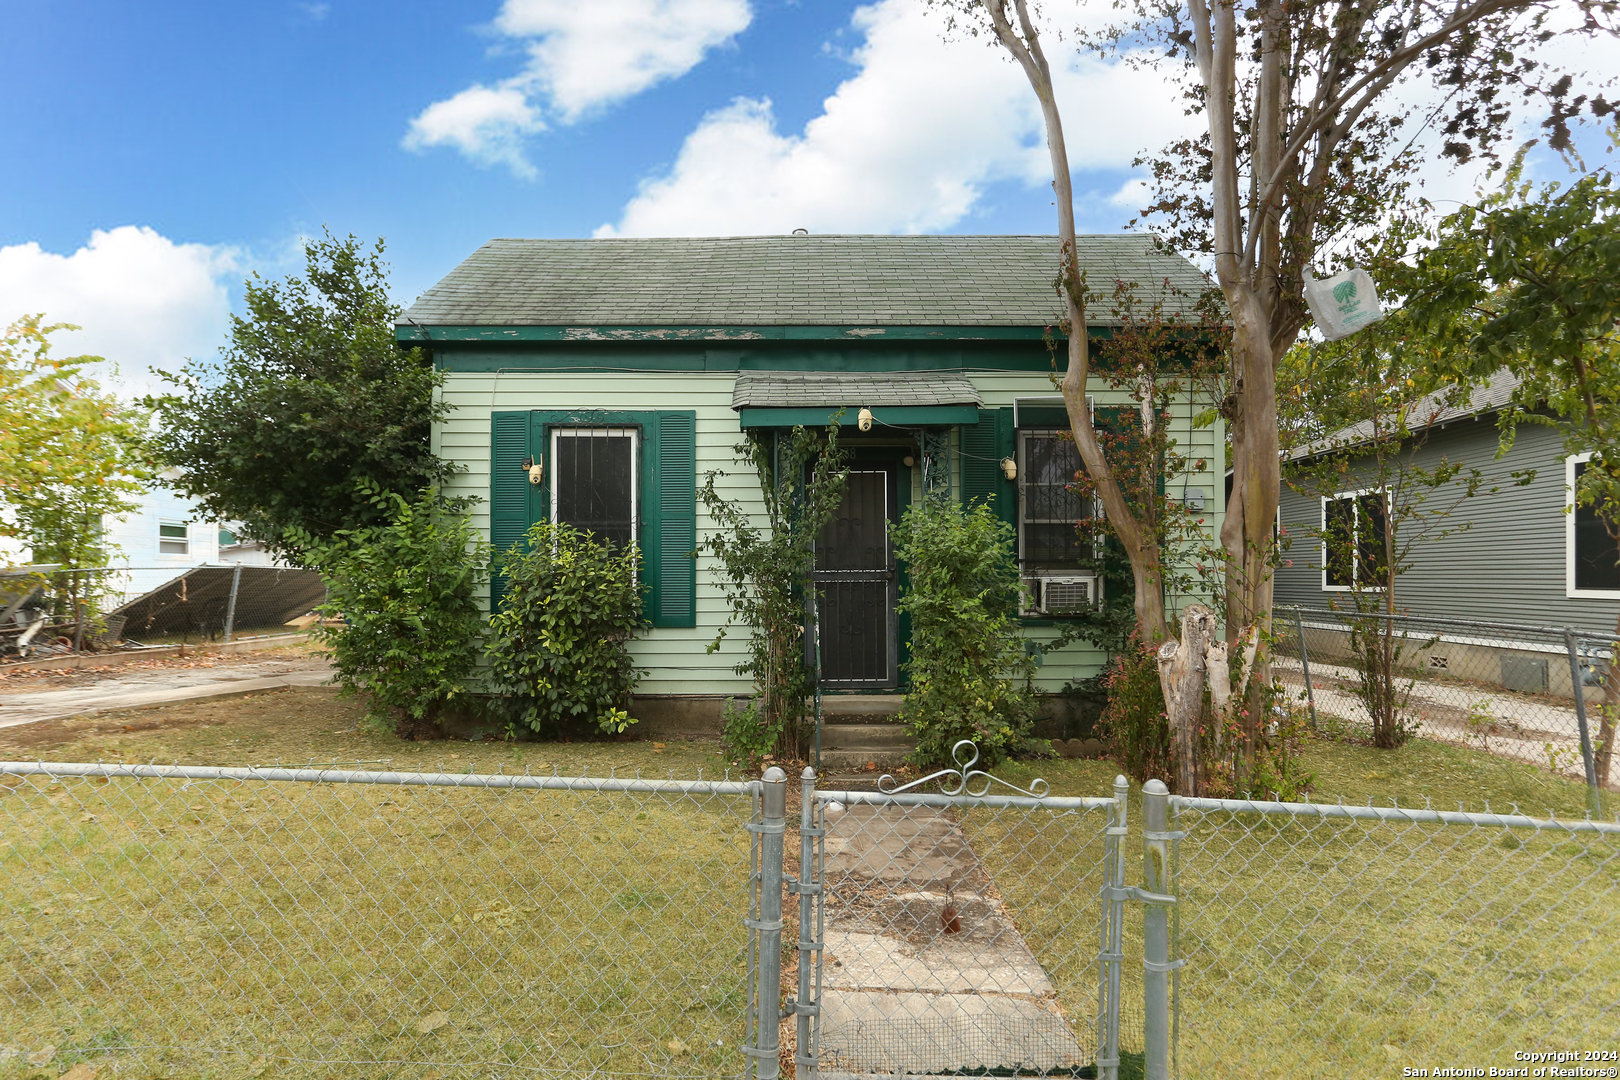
(768, 990)
(1156, 900)
(1305, 662)
(1112, 955)
(1572, 645)
(230, 607)
(807, 1005)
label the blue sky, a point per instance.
(159, 152)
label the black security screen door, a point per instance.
(856, 587)
(594, 481)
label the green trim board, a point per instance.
(890, 416)
(668, 496)
(416, 334)
(555, 359)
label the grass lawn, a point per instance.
(218, 929)
(294, 930)
(1334, 948)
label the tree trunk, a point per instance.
(1604, 751)
(1247, 532)
(1140, 544)
(1181, 677)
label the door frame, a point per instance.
(891, 459)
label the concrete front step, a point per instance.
(837, 763)
(836, 707)
(866, 737)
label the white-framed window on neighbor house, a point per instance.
(595, 484)
(1354, 525)
(174, 538)
(1591, 553)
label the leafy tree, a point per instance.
(1379, 422)
(1304, 150)
(410, 631)
(70, 454)
(1530, 279)
(311, 401)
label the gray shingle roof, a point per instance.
(787, 389)
(1429, 412)
(989, 281)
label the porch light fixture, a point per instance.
(1009, 468)
(865, 419)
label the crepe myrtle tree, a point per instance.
(1306, 150)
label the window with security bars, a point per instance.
(1353, 534)
(1048, 505)
(594, 482)
(173, 538)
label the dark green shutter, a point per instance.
(671, 505)
(508, 487)
(984, 445)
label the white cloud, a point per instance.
(487, 125)
(906, 144)
(142, 300)
(582, 57)
(1131, 194)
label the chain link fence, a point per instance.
(1534, 694)
(47, 611)
(964, 936)
(205, 922)
(1332, 941)
(196, 922)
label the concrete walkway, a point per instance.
(902, 993)
(164, 685)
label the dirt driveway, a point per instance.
(29, 696)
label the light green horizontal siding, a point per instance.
(677, 660)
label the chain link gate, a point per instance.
(958, 932)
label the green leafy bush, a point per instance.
(1133, 722)
(410, 626)
(746, 733)
(969, 668)
(559, 648)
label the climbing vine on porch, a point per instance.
(763, 572)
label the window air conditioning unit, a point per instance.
(1062, 594)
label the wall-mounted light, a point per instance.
(908, 461)
(1009, 468)
(865, 419)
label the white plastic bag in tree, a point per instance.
(1343, 303)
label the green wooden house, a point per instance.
(599, 381)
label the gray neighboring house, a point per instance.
(1525, 558)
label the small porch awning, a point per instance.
(814, 398)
